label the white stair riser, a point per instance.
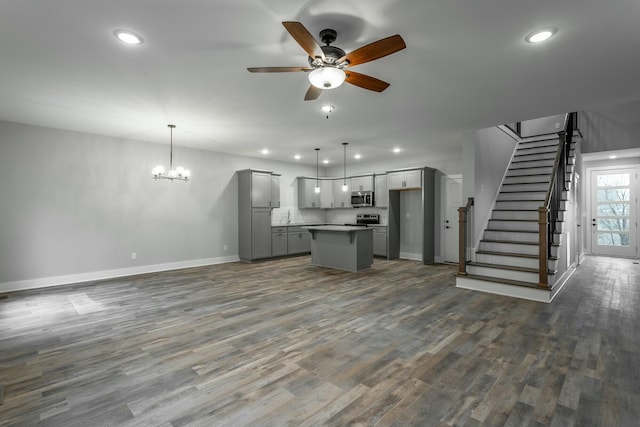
(523, 179)
(511, 236)
(527, 205)
(514, 248)
(538, 195)
(536, 150)
(509, 247)
(518, 205)
(530, 171)
(530, 215)
(527, 186)
(532, 164)
(537, 143)
(513, 261)
(519, 214)
(533, 157)
(521, 276)
(495, 224)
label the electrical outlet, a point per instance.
(224, 247)
(134, 255)
(557, 125)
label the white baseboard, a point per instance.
(45, 282)
(408, 255)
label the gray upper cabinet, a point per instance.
(307, 197)
(362, 183)
(403, 180)
(275, 190)
(381, 192)
(341, 199)
(261, 189)
(326, 193)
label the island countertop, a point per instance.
(341, 228)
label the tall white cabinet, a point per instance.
(258, 194)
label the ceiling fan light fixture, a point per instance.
(327, 77)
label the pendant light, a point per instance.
(179, 173)
(317, 189)
(345, 187)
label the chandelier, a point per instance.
(179, 173)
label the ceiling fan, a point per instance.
(329, 64)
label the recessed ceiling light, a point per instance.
(540, 35)
(396, 150)
(327, 108)
(613, 157)
(357, 156)
(127, 37)
(325, 161)
(265, 151)
(297, 157)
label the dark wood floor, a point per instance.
(284, 343)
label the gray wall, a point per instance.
(602, 132)
(542, 125)
(76, 203)
(493, 152)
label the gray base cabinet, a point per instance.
(260, 233)
(278, 241)
(298, 241)
(380, 241)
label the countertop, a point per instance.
(302, 224)
(342, 228)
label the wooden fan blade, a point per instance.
(277, 69)
(312, 93)
(375, 50)
(304, 38)
(365, 82)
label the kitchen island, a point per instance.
(341, 246)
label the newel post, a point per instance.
(543, 214)
(462, 241)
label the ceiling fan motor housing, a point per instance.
(331, 53)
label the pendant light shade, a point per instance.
(345, 187)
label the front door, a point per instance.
(614, 212)
(452, 197)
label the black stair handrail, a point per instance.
(549, 211)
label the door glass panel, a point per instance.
(613, 194)
(613, 209)
(620, 224)
(613, 180)
(613, 239)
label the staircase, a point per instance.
(507, 258)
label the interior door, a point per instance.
(452, 200)
(614, 212)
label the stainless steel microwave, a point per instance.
(361, 199)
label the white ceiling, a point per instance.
(466, 66)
